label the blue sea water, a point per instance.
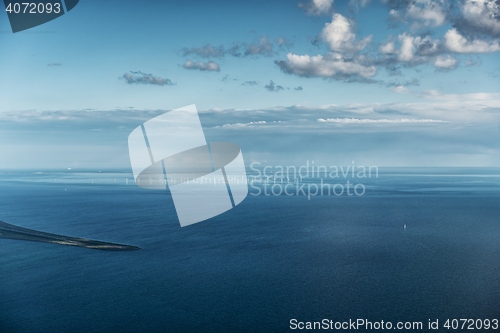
(255, 267)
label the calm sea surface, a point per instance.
(252, 269)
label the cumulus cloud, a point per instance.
(210, 66)
(411, 49)
(317, 7)
(342, 63)
(476, 26)
(273, 87)
(387, 48)
(143, 78)
(340, 36)
(480, 16)
(455, 42)
(431, 13)
(419, 13)
(401, 89)
(476, 29)
(408, 50)
(329, 66)
(298, 88)
(445, 62)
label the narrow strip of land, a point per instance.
(10, 231)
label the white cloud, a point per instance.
(452, 108)
(455, 42)
(419, 13)
(482, 14)
(414, 48)
(210, 66)
(377, 121)
(340, 36)
(401, 89)
(445, 62)
(407, 48)
(426, 45)
(340, 63)
(428, 13)
(457, 109)
(242, 125)
(410, 49)
(438, 95)
(318, 7)
(387, 48)
(332, 65)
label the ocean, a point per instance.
(269, 260)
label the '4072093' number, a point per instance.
(471, 324)
(33, 8)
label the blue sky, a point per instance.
(410, 83)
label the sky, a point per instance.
(387, 83)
